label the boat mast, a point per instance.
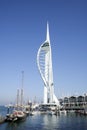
(22, 88)
(17, 98)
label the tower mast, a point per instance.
(48, 35)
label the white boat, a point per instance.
(51, 113)
(63, 112)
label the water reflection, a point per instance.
(15, 126)
(50, 122)
(12, 126)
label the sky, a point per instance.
(23, 30)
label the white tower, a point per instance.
(44, 62)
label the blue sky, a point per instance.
(23, 30)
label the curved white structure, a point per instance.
(44, 62)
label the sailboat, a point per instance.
(17, 114)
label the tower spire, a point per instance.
(48, 35)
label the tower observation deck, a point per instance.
(44, 62)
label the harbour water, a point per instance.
(69, 121)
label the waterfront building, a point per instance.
(74, 102)
(44, 62)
